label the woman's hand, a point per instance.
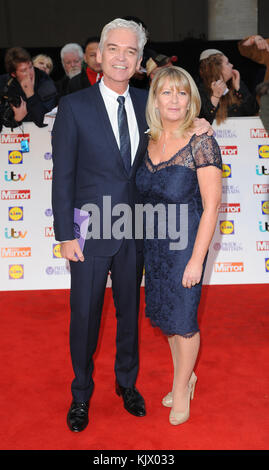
(192, 274)
(218, 88)
(236, 79)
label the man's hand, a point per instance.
(260, 42)
(71, 250)
(202, 126)
(27, 84)
(20, 112)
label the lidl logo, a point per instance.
(265, 207)
(15, 157)
(227, 227)
(267, 265)
(15, 213)
(16, 271)
(57, 251)
(226, 170)
(263, 151)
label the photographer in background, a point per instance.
(26, 93)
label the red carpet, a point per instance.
(230, 409)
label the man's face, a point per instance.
(90, 57)
(24, 70)
(119, 58)
(72, 63)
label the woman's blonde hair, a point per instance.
(180, 79)
(42, 57)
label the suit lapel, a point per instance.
(104, 119)
(140, 118)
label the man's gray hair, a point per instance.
(71, 47)
(120, 23)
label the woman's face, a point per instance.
(172, 102)
(226, 69)
(43, 64)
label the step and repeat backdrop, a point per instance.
(30, 256)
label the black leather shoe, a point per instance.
(133, 401)
(77, 417)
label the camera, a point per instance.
(8, 98)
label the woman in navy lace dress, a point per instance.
(181, 179)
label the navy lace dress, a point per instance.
(169, 186)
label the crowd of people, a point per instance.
(27, 91)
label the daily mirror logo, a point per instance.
(229, 267)
(233, 208)
(228, 150)
(16, 252)
(258, 134)
(13, 194)
(13, 138)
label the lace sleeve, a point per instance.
(206, 152)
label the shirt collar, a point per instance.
(110, 93)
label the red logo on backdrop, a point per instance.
(258, 134)
(229, 208)
(47, 174)
(261, 188)
(262, 245)
(49, 232)
(14, 194)
(228, 150)
(13, 138)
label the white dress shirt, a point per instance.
(110, 99)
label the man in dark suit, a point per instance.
(94, 156)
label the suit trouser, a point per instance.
(88, 283)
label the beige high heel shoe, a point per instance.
(181, 417)
(168, 399)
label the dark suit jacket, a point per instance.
(78, 82)
(87, 163)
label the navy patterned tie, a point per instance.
(125, 143)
